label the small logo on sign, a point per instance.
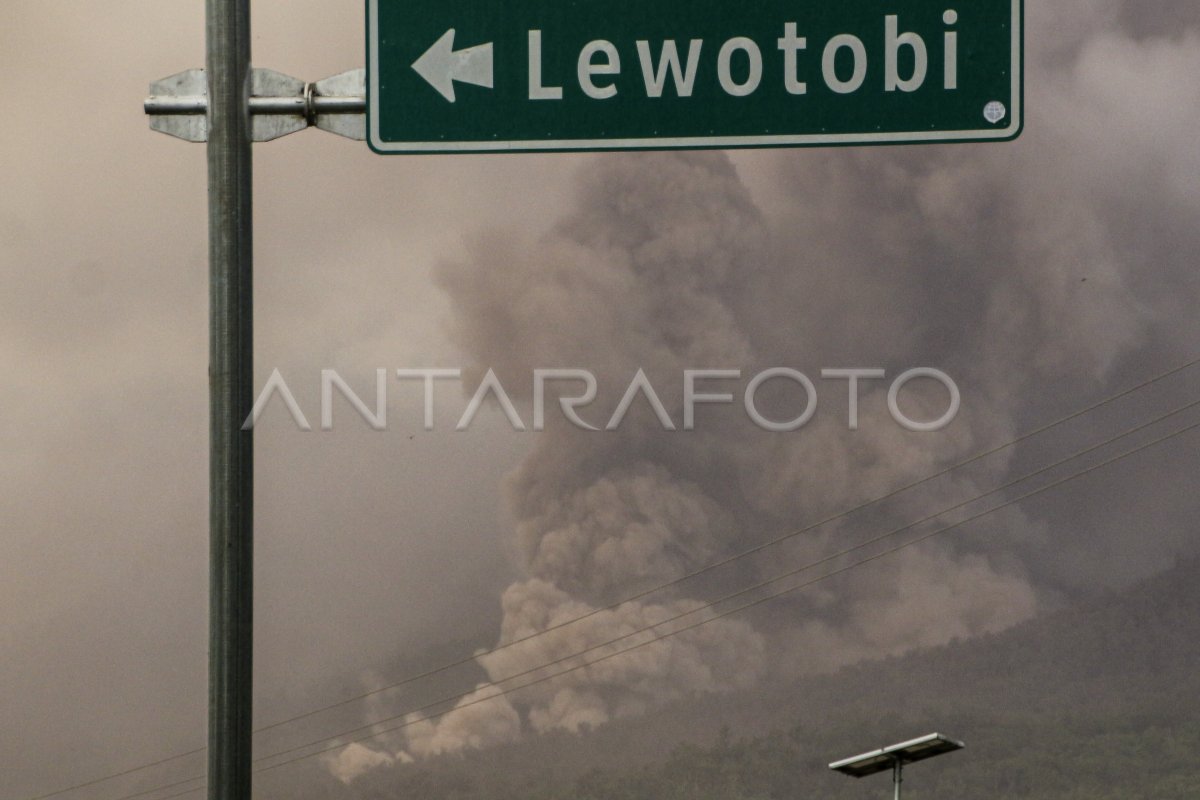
(994, 111)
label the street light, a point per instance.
(895, 756)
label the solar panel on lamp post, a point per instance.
(894, 757)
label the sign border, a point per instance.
(1012, 131)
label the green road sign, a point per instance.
(457, 76)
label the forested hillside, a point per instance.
(1098, 701)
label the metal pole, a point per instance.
(897, 776)
(231, 455)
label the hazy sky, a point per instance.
(1042, 274)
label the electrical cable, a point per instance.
(652, 590)
(374, 734)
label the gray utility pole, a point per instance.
(230, 106)
(231, 395)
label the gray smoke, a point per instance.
(1027, 271)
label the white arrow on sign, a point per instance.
(441, 65)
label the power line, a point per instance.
(729, 612)
(501, 692)
(777, 578)
(654, 589)
(732, 558)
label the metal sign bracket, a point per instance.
(279, 105)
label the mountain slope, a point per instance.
(1101, 700)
